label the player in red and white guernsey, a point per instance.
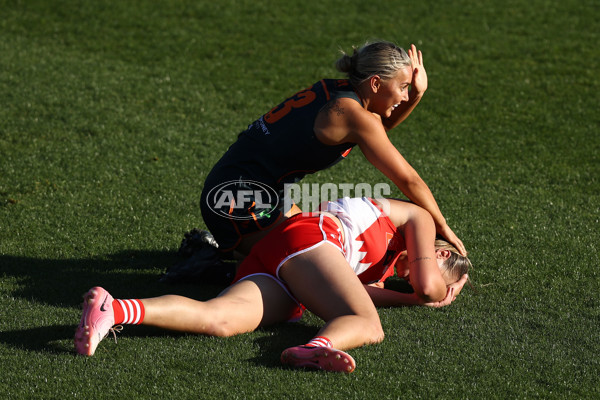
(332, 262)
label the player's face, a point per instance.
(393, 91)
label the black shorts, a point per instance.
(235, 209)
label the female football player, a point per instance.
(332, 262)
(314, 129)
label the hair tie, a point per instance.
(353, 62)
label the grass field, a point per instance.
(112, 113)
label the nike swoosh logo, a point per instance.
(103, 304)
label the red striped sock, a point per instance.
(319, 341)
(128, 311)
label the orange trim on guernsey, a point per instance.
(252, 212)
(327, 95)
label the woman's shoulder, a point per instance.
(341, 89)
(344, 119)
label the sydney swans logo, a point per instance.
(243, 200)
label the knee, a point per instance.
(374, 332)
(378, 335)
(220, 328)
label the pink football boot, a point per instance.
(97, 320)
(323, 358)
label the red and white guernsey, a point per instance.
(372, 243)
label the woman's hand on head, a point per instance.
(451, 237)
(419, 78)
(459, 284)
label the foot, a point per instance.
(96, 321)
(323, 358)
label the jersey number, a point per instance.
(300, 99)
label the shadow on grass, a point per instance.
(47, 339)
(58, 339)
(126, 274)
(61, 283)
(281, 337)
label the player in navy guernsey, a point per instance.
(278, 148)
(312, 130)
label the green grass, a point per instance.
(113, 112)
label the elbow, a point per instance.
(431, 292)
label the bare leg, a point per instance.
(323, 281)
(243, 307)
